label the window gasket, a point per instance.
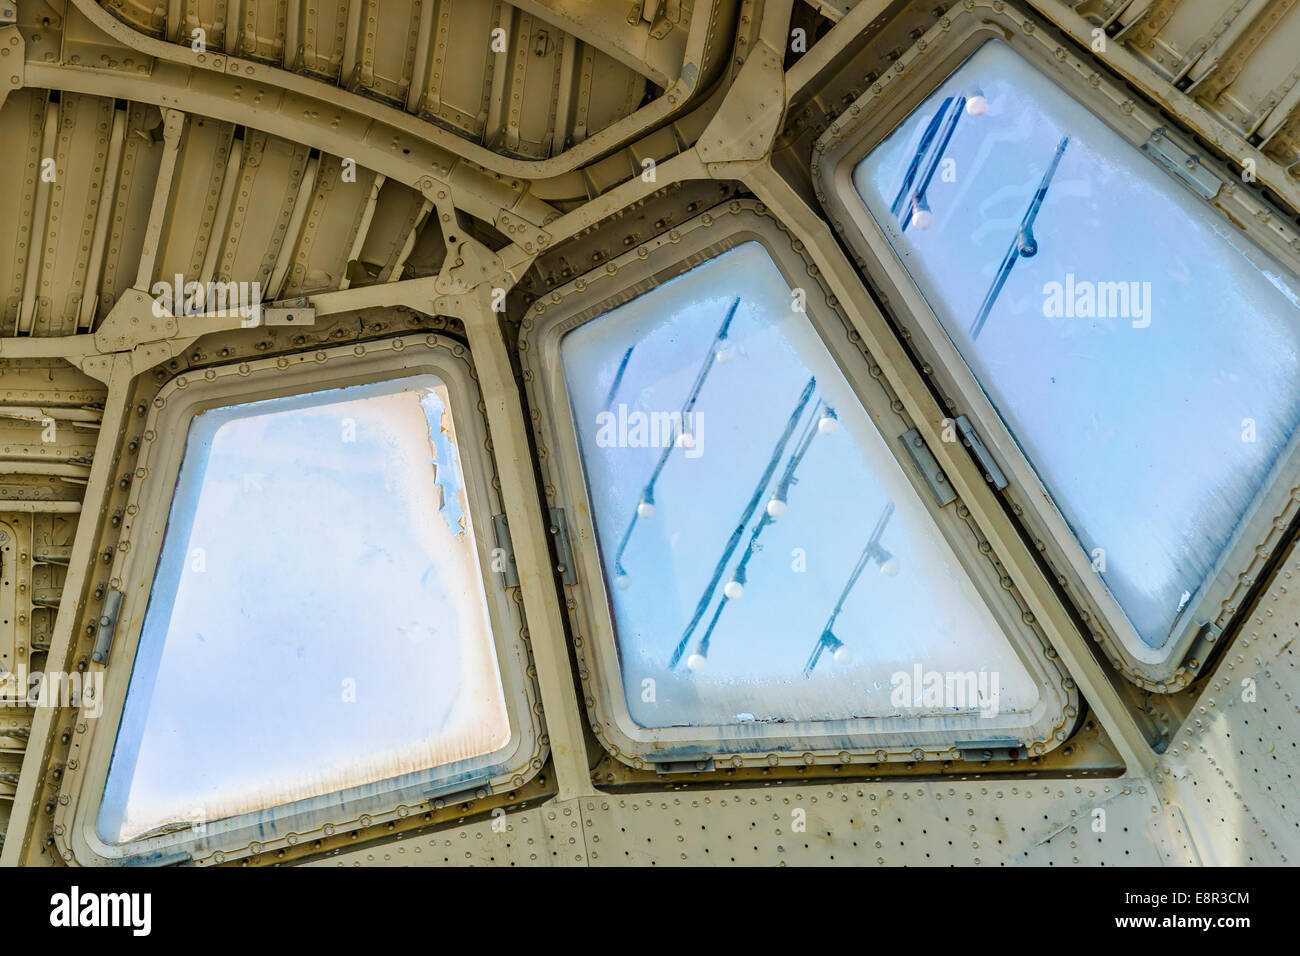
(162, 447)
(637, 271)
(867, 121)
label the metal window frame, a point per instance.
(675, 749)
(153, 488)
(920, 71)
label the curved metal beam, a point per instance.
(703, 46)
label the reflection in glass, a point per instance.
(318, 620)
(740, 492)
(1144, 354)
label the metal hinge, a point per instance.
(999, 748)
(1182, 164)
(559, 530)
(703, 765)
(504, 562)
(107, 627)
(971, 439)
(453, 797)
(925, 462)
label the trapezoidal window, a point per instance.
(772, 574)
(1143, 353)
(318, 623)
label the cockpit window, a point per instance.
(766, 558)
(318, 620)
(1143, 353)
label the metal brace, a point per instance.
(508, 570)
(925, 462)
(1182, 164)
(971, 439)
(107, 627)
(559, 529)
(1207, 635)
(290, 312)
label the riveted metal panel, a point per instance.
(21, 121)
(268, 180)
(1230, 772)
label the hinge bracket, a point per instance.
(453, 797)
(1001, 748)
(971, 439)
(703, 765)
(559, 529)
(504, 562)
(1182, 164)
(107, 627)
(925, 462)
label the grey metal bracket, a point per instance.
(925, 462)
(1000, 748)
(559, 530)
(107, 627)
(508, 570)
(1182, 164)
(452, 797)
(703, 765)
(971, 439)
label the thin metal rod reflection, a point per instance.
(647, 493)
(782, 490)
(944, 125)
(618, 376)
(1023, 244)
(872, 550)
(748, 513)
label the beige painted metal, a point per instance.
(497, 218)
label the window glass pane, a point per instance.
(318, 620)
(720, 606)
(1144, 353)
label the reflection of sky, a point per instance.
(1137, 432)
(928, 614)
(330, 553)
